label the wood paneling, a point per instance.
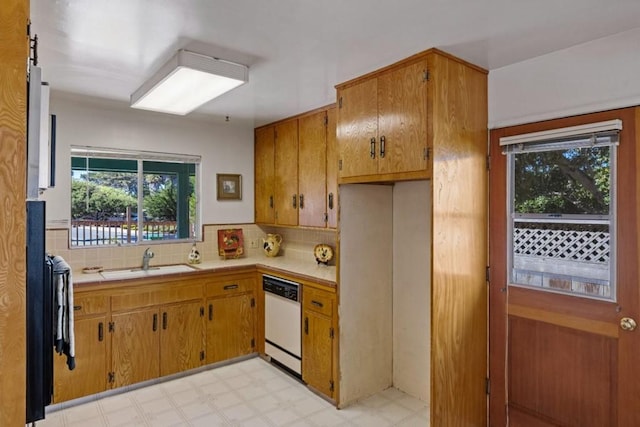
(459, 291)
(286, 180)
(583, 395)
(265, 175)
(14, 51)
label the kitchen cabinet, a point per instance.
(231, 317)
(413, 303)
(317, 158)
(382, 124)
(296, 171)
(91, 344)
(318, 339)
(286, 173)
(264, 175)
(157, 330)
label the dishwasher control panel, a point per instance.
(281, 287)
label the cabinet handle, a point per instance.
(372, 151)
(294, 201)
(164, 320)
(77, 307)
(155, 322)
(306, 325)
(100, 331)
(382, 144)
(210, 311)
(317, 303)
(330, 200)
(271, 202)
(302, 201)
(230, 287)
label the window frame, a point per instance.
(563, 139)
(153, 159)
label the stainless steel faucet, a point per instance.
(146, 256)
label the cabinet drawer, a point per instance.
(318, 301)
(89, 304)
(229, 287)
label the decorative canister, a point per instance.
(271, 244)
(194, 255)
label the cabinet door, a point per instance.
(264, 175)
(90, 374)
(357, 127)
(317, 352)
(181, 338)
(332, 170)
(312, 161)
(135, 346)
(230, 327)
(286, 180)
(402, 119)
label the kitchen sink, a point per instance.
(132, 273)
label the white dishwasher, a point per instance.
(282, 318)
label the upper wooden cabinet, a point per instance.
(286, 177)
(265, 174)
(296, 171)
(388, 121)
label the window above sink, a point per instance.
(126, 197)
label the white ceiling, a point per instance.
(297, 50)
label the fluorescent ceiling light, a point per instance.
(186, 82)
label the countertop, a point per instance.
(305, 268)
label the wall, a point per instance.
(412, 288)
(595, 76)
(224, 149)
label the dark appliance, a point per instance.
(39, 296)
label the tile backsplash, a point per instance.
(296, 243)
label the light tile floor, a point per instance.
(250, 393)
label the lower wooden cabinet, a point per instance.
(90, 373)
(231, 317)
(318, 339)
(181, 337)
(136, 345)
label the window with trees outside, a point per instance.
(562, 210)
(125, 197)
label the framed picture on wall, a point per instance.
(229, 186)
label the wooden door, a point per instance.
(286, 177)
(561, 360)
(317, 352)
(230, 327)
(182, 337)
(332, 170)
(135, 354)
(312, 167)
(402, 119)
(264, 175)
(90, 374)
(357, 127)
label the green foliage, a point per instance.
(162, 204)
(574, 181)
(92, 201)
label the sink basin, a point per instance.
(133, 273)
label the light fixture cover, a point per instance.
(187, 81)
